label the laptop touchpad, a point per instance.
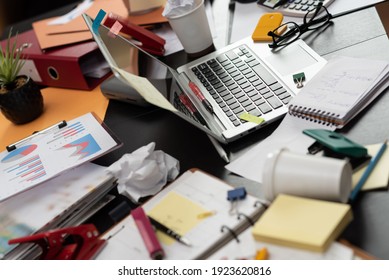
(290, 59)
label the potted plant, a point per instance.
(21, 100)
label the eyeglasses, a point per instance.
(312, 21)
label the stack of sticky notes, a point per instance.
(302, 222)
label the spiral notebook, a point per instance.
(196, 206)
(343, 88)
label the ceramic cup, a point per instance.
(193, 30)
(307, 176)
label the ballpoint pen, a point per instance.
(169, 232)
(188, 105)
(222, 153)
(368, 171)
(200, 96)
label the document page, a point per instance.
(288, 135)
(52, 152)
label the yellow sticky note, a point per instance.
(380, 175)
(251, 118)
(148, 91)
(303, 223)
(178, 213)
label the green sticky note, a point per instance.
(251, 118)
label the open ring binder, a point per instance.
(178, 206)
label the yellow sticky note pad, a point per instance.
(178, 213)
(303, 223)
(251, 118)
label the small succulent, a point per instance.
(11, 62)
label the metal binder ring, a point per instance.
(231, 232)
(246, 217)
(261, 203)
(23, 46)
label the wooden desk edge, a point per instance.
(358, 252)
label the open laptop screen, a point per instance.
(122, 53)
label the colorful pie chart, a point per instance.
(19, 153)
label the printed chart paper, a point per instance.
(50, 153)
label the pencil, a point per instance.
(368, 171)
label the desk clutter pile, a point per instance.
(196, 215)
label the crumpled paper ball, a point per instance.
(178, 7)
(144, 172)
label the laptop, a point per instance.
(246, 85)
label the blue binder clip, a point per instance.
(234, 196)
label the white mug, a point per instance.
(307, 176)
(193, 30)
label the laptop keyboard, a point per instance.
(239, 83)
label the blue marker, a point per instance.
(368, 171)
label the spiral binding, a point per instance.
(314, 115)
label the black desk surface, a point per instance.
(358, 34)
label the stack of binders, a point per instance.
(76, 66)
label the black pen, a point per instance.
(169, 232)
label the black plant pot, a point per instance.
(23, 104)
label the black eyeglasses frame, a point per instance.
(310, 22)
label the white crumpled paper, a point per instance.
(178, 7)
(144, 172)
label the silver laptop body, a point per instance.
(244, 78)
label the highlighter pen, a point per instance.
(200, 96)
(169, 232)
(148, 234)
(368, 171)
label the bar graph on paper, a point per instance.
(27, 170)
(69, 131)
